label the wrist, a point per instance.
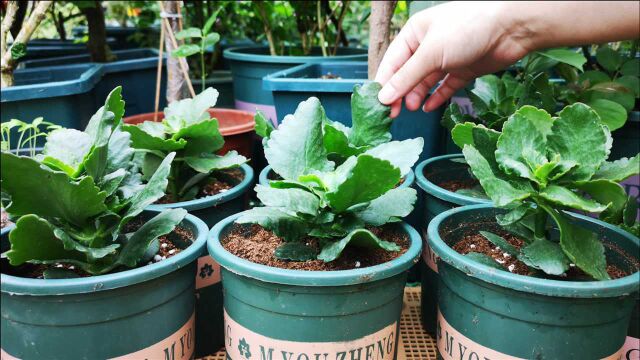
(522, 23)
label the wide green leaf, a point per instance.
(608, 193)
(35, 189)
(611, 91)
(401, 154)
(608, 58)
(619, 170)
(500, 242)
(632, 82)
(138, 243)
(185, 50)
(577, 136)
(370, 118)
(202, 137)
(189, 111)
(296, 147)
(361, 181)
(611, 113)
(489, 88)
(70, 147)
(360, 238)
(499, 190)
(33, 239)
(286, 226)
(581, 246)
(188, 33)
(210, 162)
(336, 141)
(514, 215)
(453, 116)
(140, 139)
(394, 205)
(211, 39)
(295, 251)
(92, 253)
(562, 196)
(263, 126)
(545, 255)
(631, 67)
(290, 200)
(565, 56)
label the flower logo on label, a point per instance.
(243, 347)
(206, 271)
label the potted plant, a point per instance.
(86, 258)
(317, 259)
(208, 185)
(296, 33)
(527, 267)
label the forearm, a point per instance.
(546, 24)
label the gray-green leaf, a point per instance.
(361, 238)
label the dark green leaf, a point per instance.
(562, 196)
(545, 255)
(296, 147)
(611, 91)
(514, 215)
(202, 137)
(286, 226)
(500, 242)
(593, 77)
(609, 193)
(361, 238)
(453, 116)
(295, 251)
(484, 260)
(608, 58)
(630, 82)
(370, 118)
(611, 113)
(336, 140)
(138, 243)
(565, 56)
(631, 67)
(210, 162)
(18, 50)
(143, 140)
(630, 211)
(210, 21)
(263, 126)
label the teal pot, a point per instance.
(250, 64)
(494, 314)
(122, 36)
(63, 95)
(212, 209)
(435, 200)
(44, 48)
(222, 81)
(272, 312)
(147, 312)
(296, 84)
(135, 70)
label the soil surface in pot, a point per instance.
(455, 185)
(256, 244)
(170, 245)
(4, 219)
(219, 182)
(479, 244)
(273, 176)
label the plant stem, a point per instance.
(321, 30)
(203, 75)
(540, 223)
(267, 28)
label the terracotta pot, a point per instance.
(235, 125)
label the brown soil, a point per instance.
(455, 185)
(256, 244)
(478, 243)
(168, 249)
(4, 219)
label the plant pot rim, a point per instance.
(263, 177)
(528, 284)
(213, 200)
(270, 274)
(441, 193)
(41, 287)
(227, 131)
(242, 53)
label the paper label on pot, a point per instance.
(244, 344)
(452, 345)
(268, 110)
(178, 346)
(631, 349)
(428, 255)
(208, 272)
(5, 356)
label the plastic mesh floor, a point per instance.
(415, 343)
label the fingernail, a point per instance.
(387, 94)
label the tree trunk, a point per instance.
(98, 47)
(175, 77)
(379, 32)
(19, 18)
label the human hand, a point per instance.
(457, 42)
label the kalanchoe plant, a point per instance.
(331, 202)
(74, 200)
(541, 165)
(611, 85)
(188, 130)
(495, 98)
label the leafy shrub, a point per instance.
(188, 130)
(331, 200)
(539, 166)
(74, 200)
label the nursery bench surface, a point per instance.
(415, 343)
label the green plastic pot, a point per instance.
(147, 312)
(212, 209)
(497, 314)
(305, 314)
(435, 200)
